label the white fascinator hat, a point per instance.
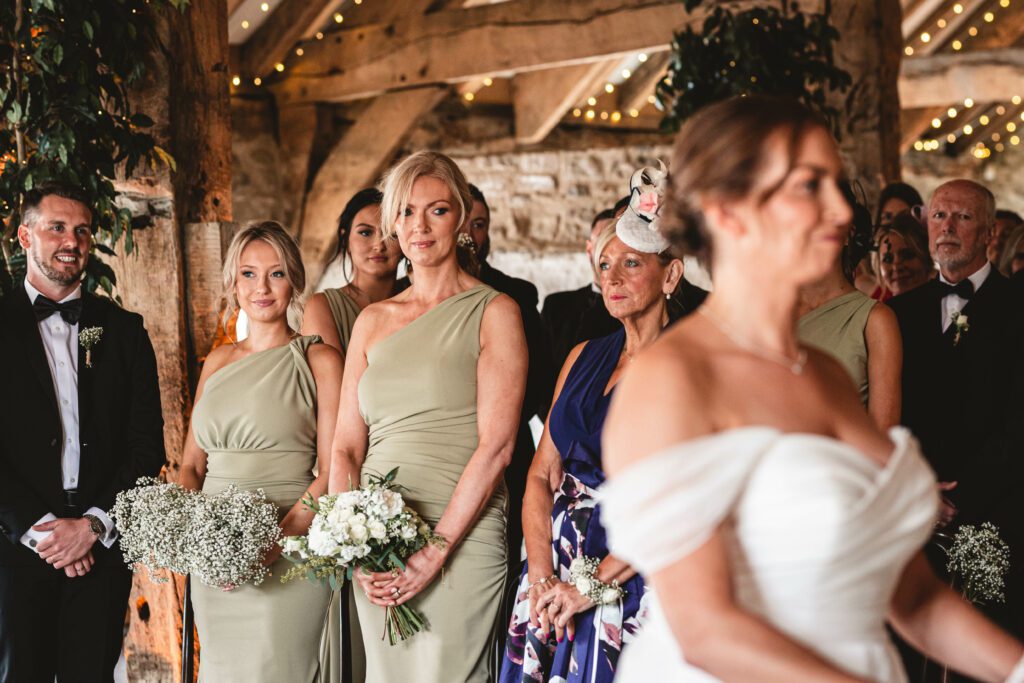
(638, 226)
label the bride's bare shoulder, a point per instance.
(661, 400)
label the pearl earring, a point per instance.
(668, 297)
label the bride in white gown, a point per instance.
(779, 528)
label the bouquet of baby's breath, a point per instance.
(979, 559)
(150, 519)
(220, 539)
(228, 536)
(369, 528)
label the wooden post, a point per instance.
(186, 93)
(870, 48)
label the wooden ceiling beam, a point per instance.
(541, 98)
(917, 16)
(291, 21)
(634, 92)
(946, 36)
(457, 45)
(950, 78)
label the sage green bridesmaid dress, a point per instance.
(344, 310)
(837, 328)
(256, 421)
(418, 397)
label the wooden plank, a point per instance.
(541, 98)
(946, 35)
(275, 38)
(917, 16)
(356, 162)
(297, 126)
(462, 44)
(915, 123)
(949, 78)
(233, 5)
(634, 92)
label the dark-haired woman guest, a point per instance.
(370, 265)
(559, 632)
(895, 198)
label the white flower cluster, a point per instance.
(356, 524)
(583, 572)
(980, 559)
(219, 539)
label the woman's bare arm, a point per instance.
(318, 319)
(938, 622)
(885, 366)
(501, 384)
(351, 434)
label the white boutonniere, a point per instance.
(88, 338)
(960, 323)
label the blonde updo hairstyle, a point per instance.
(274, 234)
(721, 153)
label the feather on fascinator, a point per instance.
(638, 226)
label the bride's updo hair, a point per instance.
(720, 153)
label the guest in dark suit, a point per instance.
(579, 314)
(540, 380)
(77, 426)
(963, 382)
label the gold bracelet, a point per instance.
(544, 580)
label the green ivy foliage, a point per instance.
(776, 50)
(65, 70)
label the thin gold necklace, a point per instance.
(795, 365)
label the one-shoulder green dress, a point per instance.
(837, 328)
(256, 421)
(344, 311)
(418, 397)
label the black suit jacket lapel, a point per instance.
(25, 330)
(86, 375)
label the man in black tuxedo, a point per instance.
(77, 426)
(963, 376)
(579, 314)
(540, 380)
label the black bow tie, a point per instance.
(71, 311)
(963, 289)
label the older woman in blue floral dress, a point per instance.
(559, 630)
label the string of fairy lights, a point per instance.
(469, 90)
(984, 129)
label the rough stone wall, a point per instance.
(1000, 173)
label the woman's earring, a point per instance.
(668, 297)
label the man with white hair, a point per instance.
(963, 375)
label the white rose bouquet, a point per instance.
(220, 539)
(367, 528)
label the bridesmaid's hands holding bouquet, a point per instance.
(389, 589)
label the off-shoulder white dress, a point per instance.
(817, 536)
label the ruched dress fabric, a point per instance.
(342, 639)
(837, 328)
(817, 536)
(344, 311)
(256, 421)
(575, 425)
(418, 396)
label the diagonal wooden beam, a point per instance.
(462, 44)
(915, 17)
(634, 92)
(541, 98)
(971, 8)
(949, 78)
(233, 5)
(291, 21)
(915, 123)
(355, 162)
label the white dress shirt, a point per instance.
(953, 303)
(60, 341)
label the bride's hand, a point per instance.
(560, 603)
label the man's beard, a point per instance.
(55, 275)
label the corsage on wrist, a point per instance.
(583, 572)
